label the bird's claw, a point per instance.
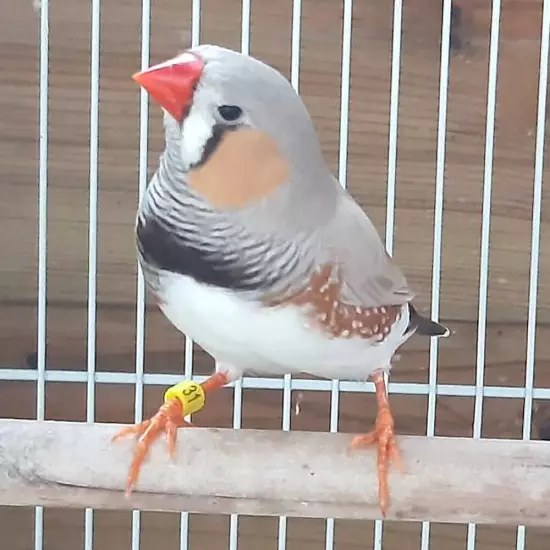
(168, 419)
(388, 451)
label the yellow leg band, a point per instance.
(190, 394)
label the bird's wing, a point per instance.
(303, 213)
(326, 226)
(370, 276)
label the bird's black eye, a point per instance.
(231, 113)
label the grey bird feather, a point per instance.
(275, 244)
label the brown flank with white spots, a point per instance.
(339, 319)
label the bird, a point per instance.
(254, 250)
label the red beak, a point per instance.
(172, 83)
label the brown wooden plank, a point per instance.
(451, 480)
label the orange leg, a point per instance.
(168, 419)
(382, 435)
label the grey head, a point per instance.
(236, 91)
(272, 165)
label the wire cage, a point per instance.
(433, 116)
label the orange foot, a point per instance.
(180, 400)
(383, 435)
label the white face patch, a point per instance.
(198, 125)
(196, 131)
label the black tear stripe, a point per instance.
(218, 132)
(166, 251)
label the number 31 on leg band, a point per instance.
(190, 395)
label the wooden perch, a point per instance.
(275, 473)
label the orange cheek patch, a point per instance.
(245, 167)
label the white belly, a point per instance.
(244, 337)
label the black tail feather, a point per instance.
(424, 326)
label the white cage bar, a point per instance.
(432, 389)
(42, 242)
(535, 235)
